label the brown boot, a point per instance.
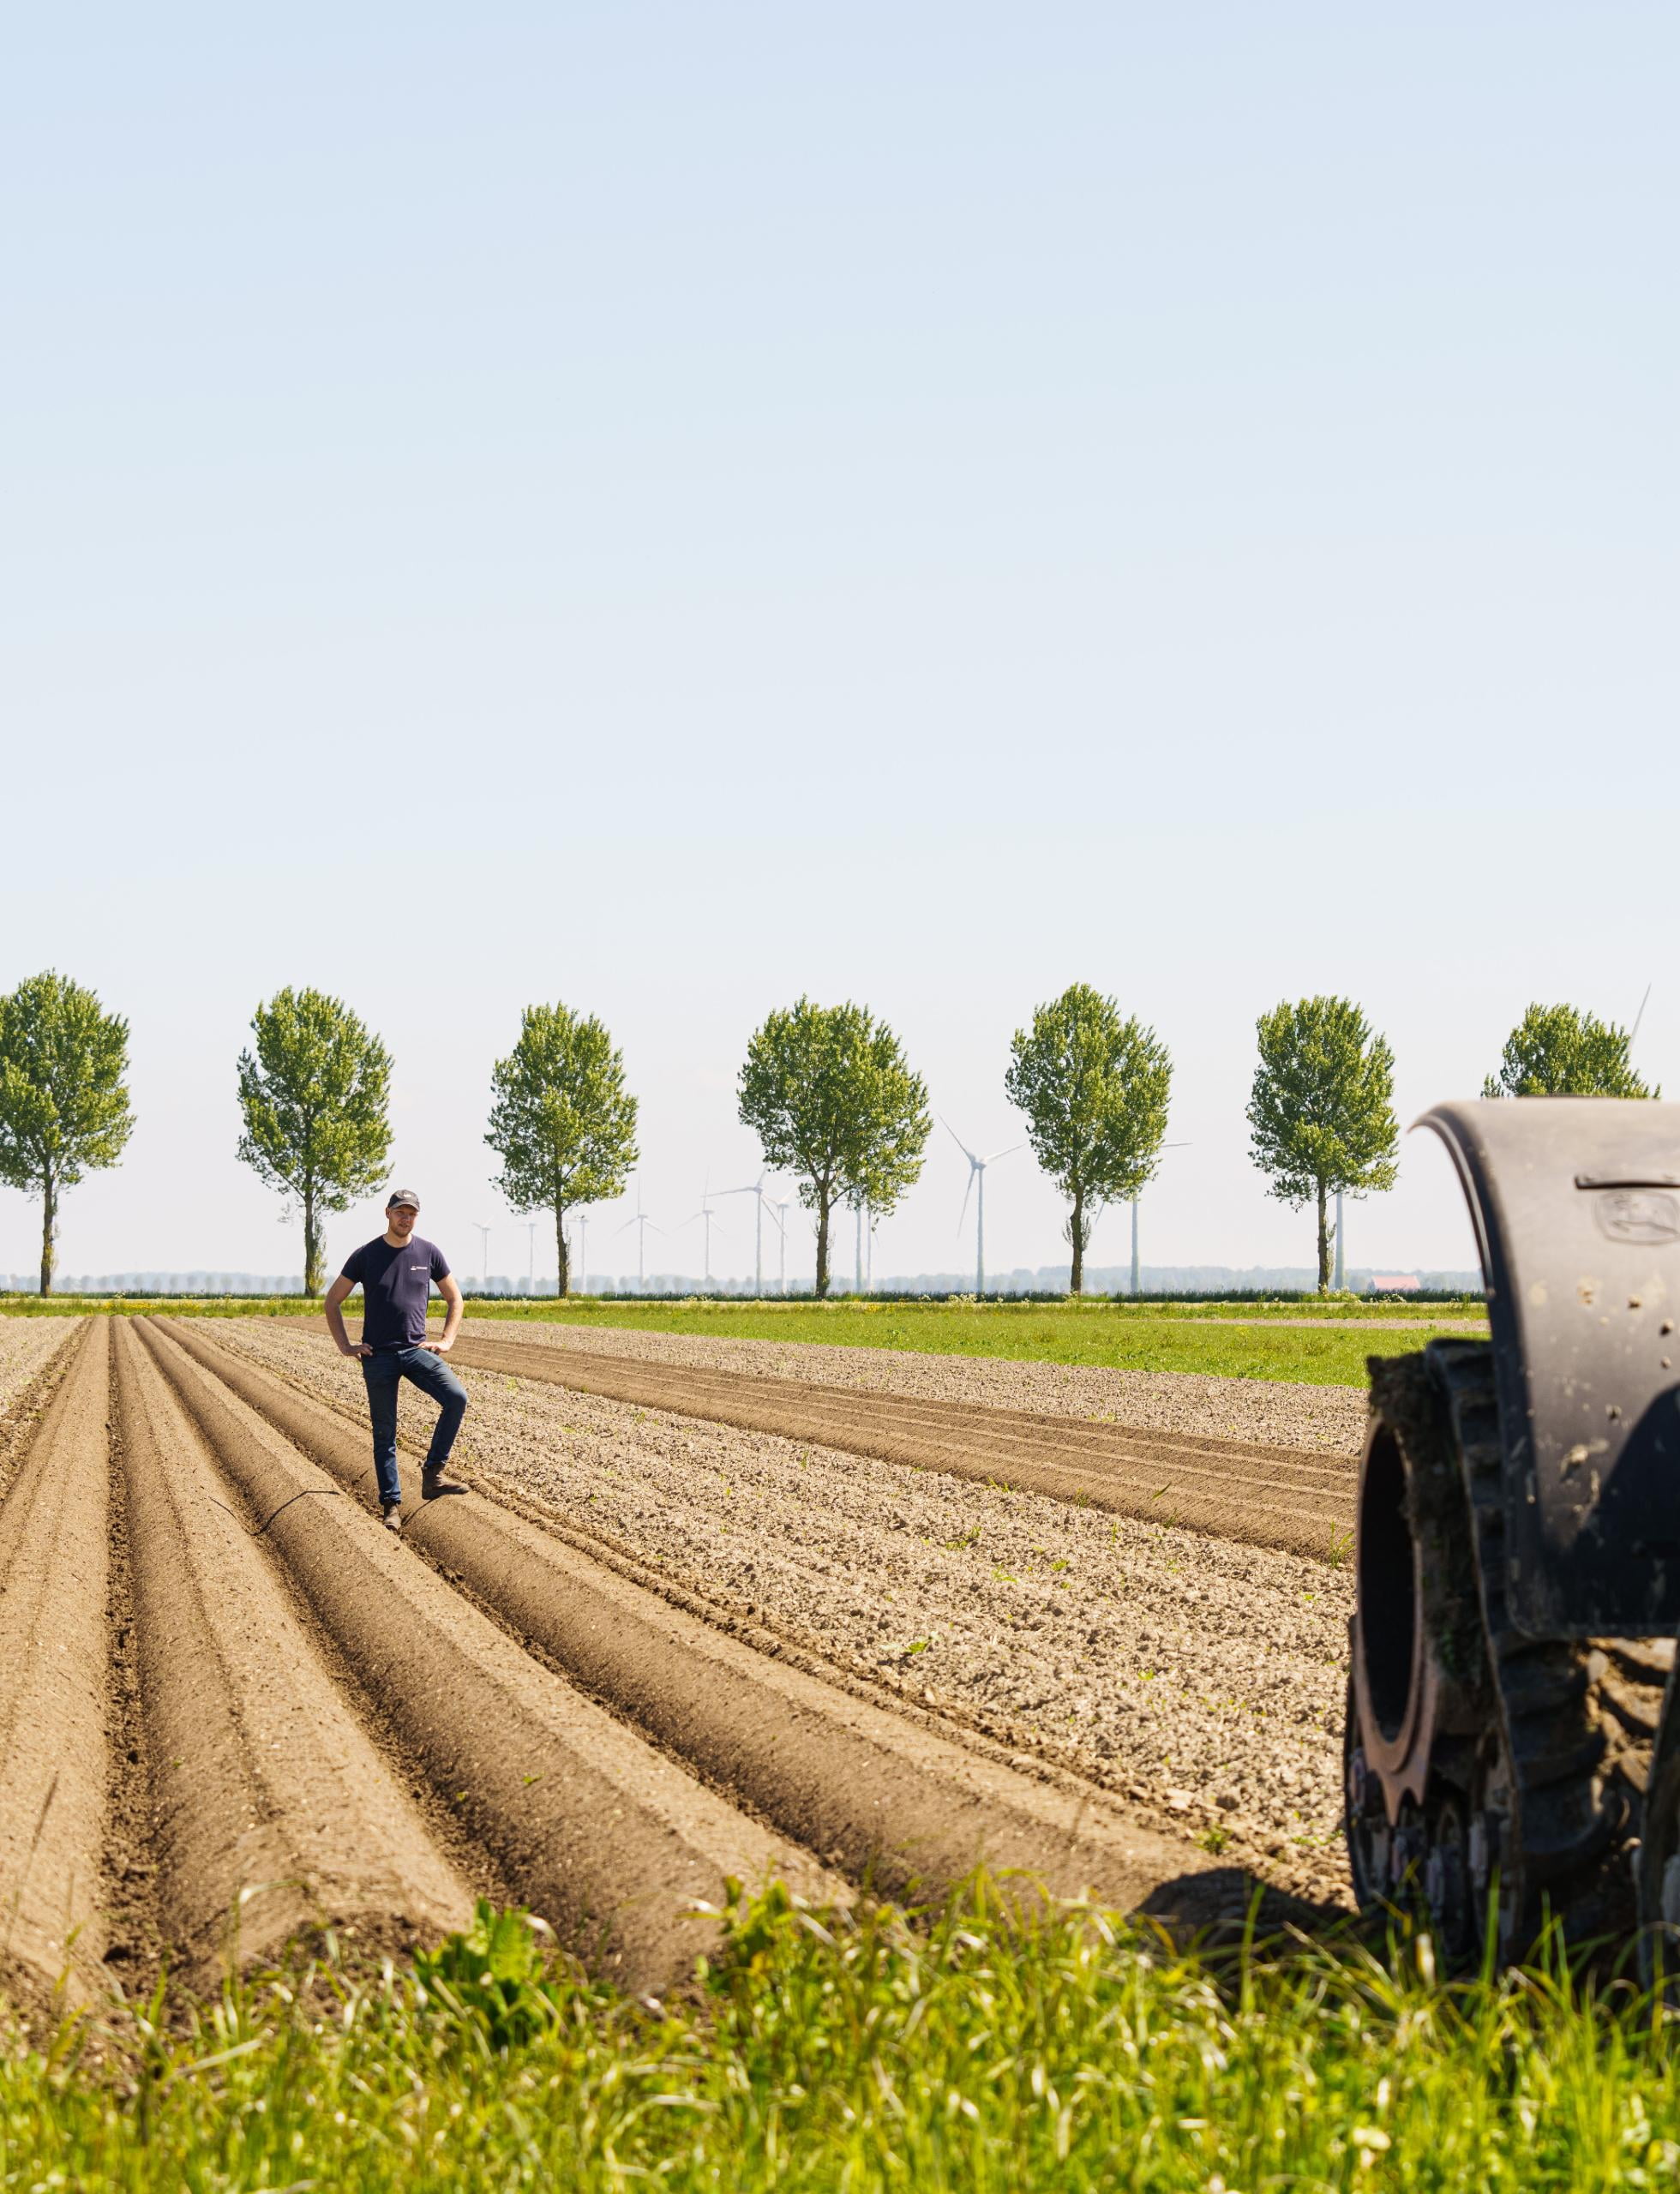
(391, 1517)
(434, 1482)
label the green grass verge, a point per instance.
(1110, 1336)
(971, 2053)
(1256, 1342)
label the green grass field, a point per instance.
(817, 2054)
(1235, 1340)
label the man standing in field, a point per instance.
(396, 1273)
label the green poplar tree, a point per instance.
(1322, 1109)
(1558, 1050)
(563, 1123)
(64, 1107)
(828, 1092)
(1094, 1088)
(315, 1094)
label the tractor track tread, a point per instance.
(1577, 1768)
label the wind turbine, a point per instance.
(706, 1213)
(756, 1190)
(485, 1279)
(977, 1172)
(641, 1222)
(531, 1267)
(1165, 1146)
(583, 1246)
(779, 1213)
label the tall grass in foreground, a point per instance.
(969, 2052)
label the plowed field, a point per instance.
(1198, 1679)
(234, 1709)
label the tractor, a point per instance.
(1512, 1744)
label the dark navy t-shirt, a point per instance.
(396, 1284)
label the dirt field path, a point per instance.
(1236, 1489)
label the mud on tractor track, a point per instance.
(331, 1726)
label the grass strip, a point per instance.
(967, 2049)
(1256, 1342)
(1111, 1338)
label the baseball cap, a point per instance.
(401, 1195)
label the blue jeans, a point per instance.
(384, 1371)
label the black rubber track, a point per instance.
(1578, 1717)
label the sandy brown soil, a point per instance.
(1273, 1413)
(34, 1353)
(612, 1842)
(274, 1811)
(664, 1652)
(1203, 1677)
(53, 1670)
(1272, 1496)
(886, 1794)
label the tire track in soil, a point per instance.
(611, 1841)
(1237, 1489)
(273, 1810)
(54, 1588)
(892, 1798)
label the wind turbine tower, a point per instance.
(977, 1174)
(706, 1213)
(484, 1277)
(641, 1222)
(1165, 1146)
(756, 1190)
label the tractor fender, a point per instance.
(1576, 1203)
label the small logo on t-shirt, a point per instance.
(418, 1268)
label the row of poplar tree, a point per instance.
(826, 1089)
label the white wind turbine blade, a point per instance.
(997, 1154)
(972, 1169)
(958, 1140)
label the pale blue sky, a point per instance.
(668, 508)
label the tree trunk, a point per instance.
(49, 1220)
(312, 1274)
(1076, 1236)
(823, 1207)
(1323, 1239)
(562, 1263)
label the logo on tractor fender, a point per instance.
(1637, 1215)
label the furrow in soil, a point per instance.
(1268, 1497)
(274, 1811)
(882, 1795)
(53, 1665)
(611, 1841)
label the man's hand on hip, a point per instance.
(356, 1348)
(440, 1346)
